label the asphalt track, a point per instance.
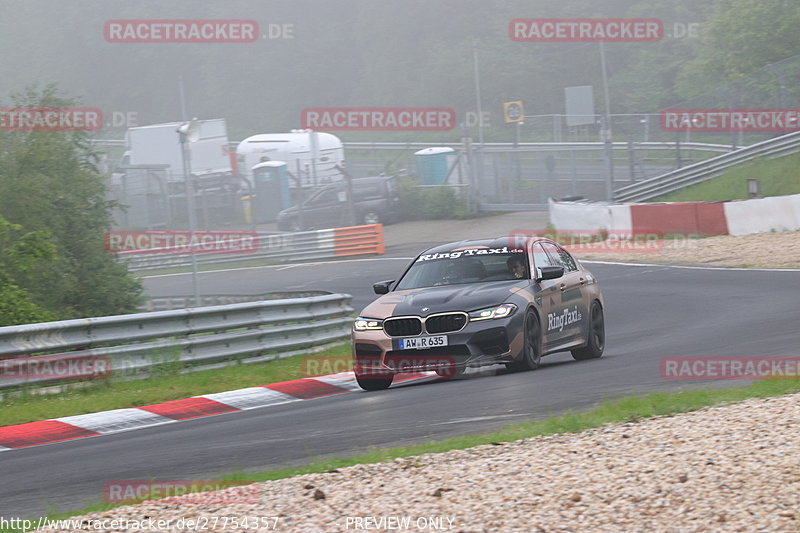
(651, 312)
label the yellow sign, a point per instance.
(513, 111)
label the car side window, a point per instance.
(540, 257)
(324, 198)
(566, 259)
(560, 257)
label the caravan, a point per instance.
(311, 157)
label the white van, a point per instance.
(310, 156)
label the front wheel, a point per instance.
(377, 382)
(597, 336)
(531, 356)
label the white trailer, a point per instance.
(311, 156)
(159, 144)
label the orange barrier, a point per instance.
(358, 240)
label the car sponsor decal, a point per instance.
(558, 321)
(468, 252)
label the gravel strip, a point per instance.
(727, 468)
(764, 250)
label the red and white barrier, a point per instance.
(762, 215)
(573, 216)
(778, 213)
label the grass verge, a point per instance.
(778, 177)
(103, 396)
(626, 409)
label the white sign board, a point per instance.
(580, 105)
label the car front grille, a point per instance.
(431, 358)
(448, 323)
(399, 327)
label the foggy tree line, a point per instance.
(385, 53)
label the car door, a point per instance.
(573, 301)
(547, 295)
(323, 210)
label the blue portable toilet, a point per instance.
(433, 164)
(272, 190)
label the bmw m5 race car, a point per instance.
(508, 300)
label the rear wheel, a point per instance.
(371, 217)
(531, 356)
(597, 335)
(375, 382)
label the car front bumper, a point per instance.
(477, 344)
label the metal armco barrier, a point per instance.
(166, 303)
(705, 170)
(305, 245)
(196, 338)
(540, 146)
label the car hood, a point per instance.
(288, 211)
(464, 297)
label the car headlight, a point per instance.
(498, 311)
(367, 324)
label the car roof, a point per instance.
(495, 242)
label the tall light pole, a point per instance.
(478, 92)
(608, 147)
(479, 174)
(189, 132)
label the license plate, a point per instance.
(420, 343)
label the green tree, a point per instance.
(48, 182)
(739, 37)
(20, 254)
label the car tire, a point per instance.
(371, 217)
(373, 383)
(597, 335)
(531, 356)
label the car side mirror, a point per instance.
(382, 287)
(550, 272)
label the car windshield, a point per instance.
(466, 265)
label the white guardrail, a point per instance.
(200, 338)
(299, 246)
(708, 169)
